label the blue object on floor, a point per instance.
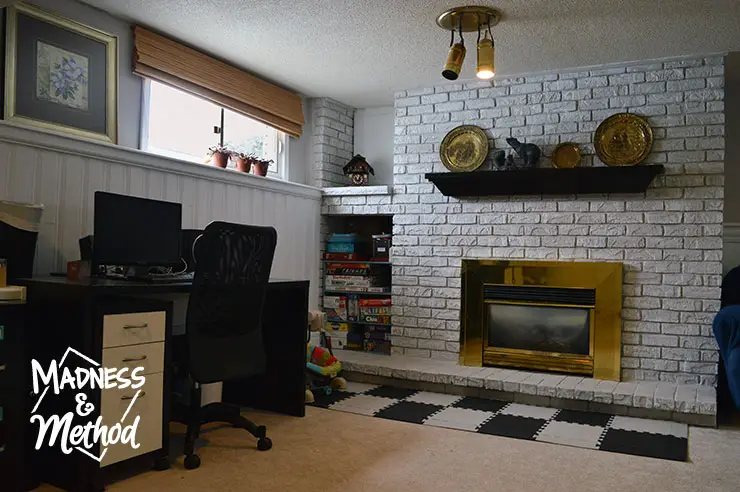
(726, 327)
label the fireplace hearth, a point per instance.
(552, 316)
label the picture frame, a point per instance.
(60, 75)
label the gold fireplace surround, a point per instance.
(605, 338)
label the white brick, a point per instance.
(670, 240)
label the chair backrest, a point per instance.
(224, 318)
(188, 238)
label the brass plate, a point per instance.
(566, 155)
(464, 149)
(623, 139)
(472, 17)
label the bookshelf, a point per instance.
(348, 279)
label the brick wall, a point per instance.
(333, 141)
(669, 238)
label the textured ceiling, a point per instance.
(360, 51)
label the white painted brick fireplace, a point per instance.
(669, 238)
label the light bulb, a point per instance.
(486, 69)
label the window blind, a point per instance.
(170, 62)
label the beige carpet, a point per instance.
(337, 451)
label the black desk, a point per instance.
(65, 313)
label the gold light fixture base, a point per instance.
(473, 17)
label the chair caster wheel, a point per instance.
(264, 444)
(192, 461)
(162, 463)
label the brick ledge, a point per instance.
(694, 403)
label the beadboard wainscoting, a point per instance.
(63, 173)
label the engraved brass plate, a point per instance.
(464, 149)
(566, 155)
(623, 140)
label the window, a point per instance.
(184, 126)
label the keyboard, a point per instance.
(166, 279)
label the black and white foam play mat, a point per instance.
(643, 437)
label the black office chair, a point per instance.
(224, 322)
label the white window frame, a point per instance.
(277, 170)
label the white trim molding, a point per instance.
(356, 190)
(48, 140)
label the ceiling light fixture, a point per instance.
(470, 19)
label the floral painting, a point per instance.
(62, 77)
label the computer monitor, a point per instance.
(132, 231)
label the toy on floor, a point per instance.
(322, 372)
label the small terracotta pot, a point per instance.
(260, 169)
(243, 165)
(220, 159)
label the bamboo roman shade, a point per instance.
(167, 61)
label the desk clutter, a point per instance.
(111, 312)
(357, 291)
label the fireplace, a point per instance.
(544, 315)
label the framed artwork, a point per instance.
(60, 75)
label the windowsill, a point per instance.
(60, 142)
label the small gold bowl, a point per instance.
(566, 155)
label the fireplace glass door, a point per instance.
(539, 328)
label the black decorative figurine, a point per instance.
(499, 160)
(529, 153)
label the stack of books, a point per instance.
(356, 277)
(354, 314)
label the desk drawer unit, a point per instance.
(150, 356)
(133, 328)
(13, 416)
(15, 445)
(148, 407)
(14, 366)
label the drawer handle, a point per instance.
(141, 395)
(129, 327)
(3, 367)
(134, 359)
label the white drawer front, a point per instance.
(148, 406)
(133, 328)
(150, 356)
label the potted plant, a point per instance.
(243, 161)
(260, 166)
(219, 155)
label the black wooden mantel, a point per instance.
(546, 181)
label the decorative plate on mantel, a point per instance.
(464, 149)
(623, 139)
(566, 155)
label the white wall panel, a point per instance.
(63, 174)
